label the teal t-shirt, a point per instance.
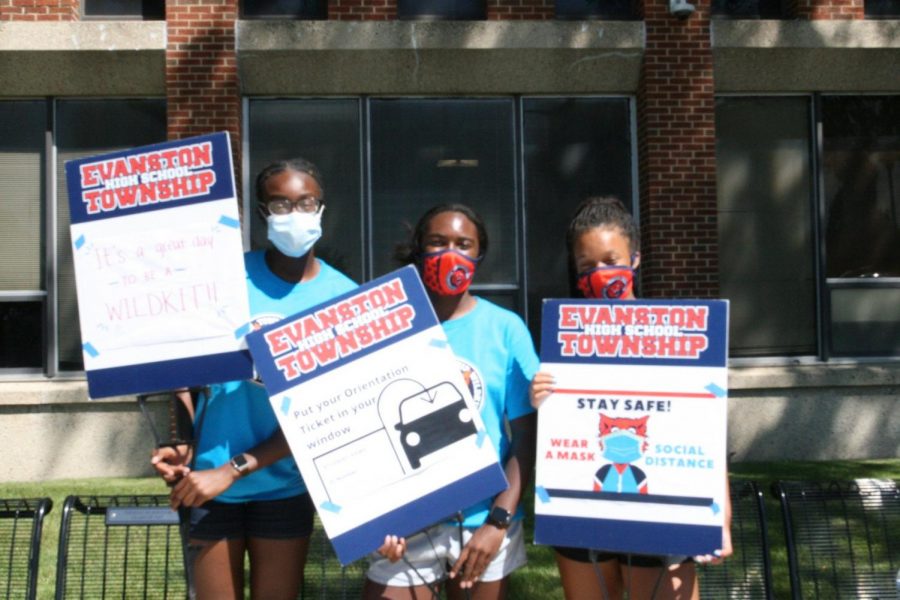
(498, 361)
(237, 415)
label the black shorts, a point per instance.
(270, 519)
(583, 555)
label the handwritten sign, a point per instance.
(631, 452)
(377, 413)
(156, 243)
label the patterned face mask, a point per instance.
(448, 272)
(607, 283)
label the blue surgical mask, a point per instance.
(622, 447)
(295, 233)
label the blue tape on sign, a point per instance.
(716, 390)
(90, 349)
(715, 508)
(479, 440)
(242, 330)
(438, 343)
(79, 242)
(542, 494)
(330, 506)
(229, 222)
(285, 405)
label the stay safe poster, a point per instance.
(156, 242)
(631, 452)
(377, 413)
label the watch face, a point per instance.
(239, 462)
(499, 517)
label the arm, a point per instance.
(197, 487)
(171, 462)
(486, 540)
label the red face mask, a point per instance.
(607, 283)
(448, 272)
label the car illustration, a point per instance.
(433, 419)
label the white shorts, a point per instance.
(432, 552)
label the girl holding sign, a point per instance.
(244, 490)
(604, 249)
(497, 357)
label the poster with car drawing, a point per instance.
(631, 449)
(159, 270)
(377, 413)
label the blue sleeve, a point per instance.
(523, 364)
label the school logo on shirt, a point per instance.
(260, 321)
(474, 381)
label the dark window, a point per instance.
(84, 128)
(38, 305)
(326, 132)
(748, 9)
(882, 9)
(820, 277)
(284, 9)
(766, 248)
(126, 9)
(861, 174)
(595, 9)
(20, 330)
(442, 9)
(428, 152)
(414, 153)
(574, 148)
(22, 288)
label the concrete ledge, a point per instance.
(814, 376)
(109, 58)
(800, 412)
(805, 56)
(55, 432)
(403, 57)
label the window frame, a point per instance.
(49, 296)
(823, 284)
(519, 289)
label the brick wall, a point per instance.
(362, 10)
(827, 9)
(519, 9)
(202, 89)
(676, 148)
(39, 10)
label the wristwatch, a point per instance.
(240, 464)
(499, 517)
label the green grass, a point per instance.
(538, 580)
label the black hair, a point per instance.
(409, 251)
(599, 211)
(300, 165)
(606, 212)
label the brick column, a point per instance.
(202, 88)
(39, 10)
(676, 150)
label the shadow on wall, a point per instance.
(805, 423)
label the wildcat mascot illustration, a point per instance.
(622, 442)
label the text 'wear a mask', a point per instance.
(295, 233)
(448, 272)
